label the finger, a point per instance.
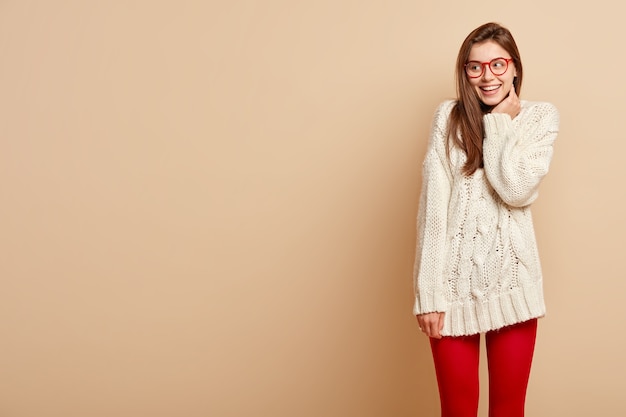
(431, 330)
(435, 332)
(427, 328)
(440, 325)
(421, 323)
(425, 324)
(437, 326)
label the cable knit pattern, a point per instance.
(477, 257)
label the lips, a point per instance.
(490, 89)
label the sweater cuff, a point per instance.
(432, 304)
(496, 124)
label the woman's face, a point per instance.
(491, 89)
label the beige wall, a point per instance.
(208, 208)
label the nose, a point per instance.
(487, 74)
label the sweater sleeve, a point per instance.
(432, 223)
(517, 156)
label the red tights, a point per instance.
(509, 357)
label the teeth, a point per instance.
(490, 88)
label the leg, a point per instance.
(456, 366)
(509, 355)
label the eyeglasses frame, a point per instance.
(482, 67)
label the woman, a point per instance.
(477, 267)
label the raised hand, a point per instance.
(510, 105)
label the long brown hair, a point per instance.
(466, 119)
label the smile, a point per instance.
(490, 88)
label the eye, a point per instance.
(498, 63)
(474, 66)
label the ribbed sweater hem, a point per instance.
(467, 317)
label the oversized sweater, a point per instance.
(477, 257)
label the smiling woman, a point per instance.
(477, 266)
(492, 85)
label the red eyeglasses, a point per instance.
(497, 66)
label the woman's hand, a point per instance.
(510, 105)
(431, 324)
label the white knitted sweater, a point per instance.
(477, 257)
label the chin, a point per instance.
(492, 101)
